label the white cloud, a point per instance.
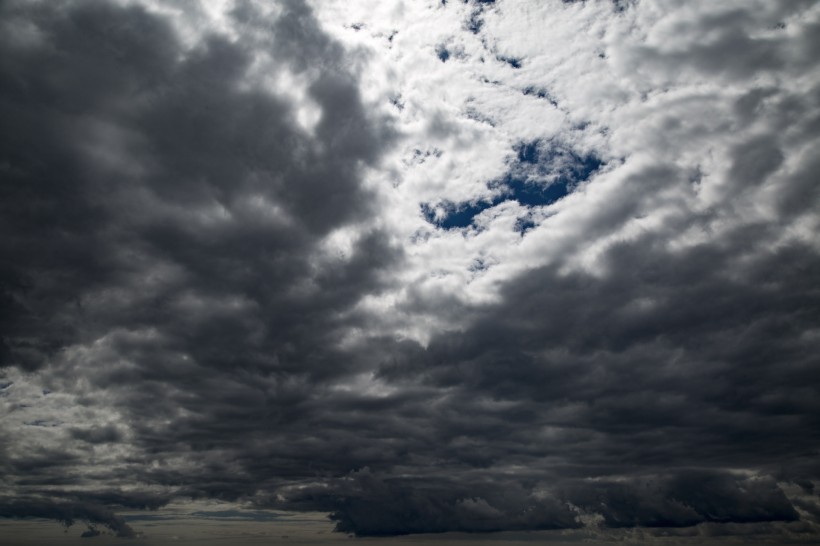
(659, 85)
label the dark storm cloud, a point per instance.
(115, 153)
(686, 498)
(371, 505)
(163, 217)
(66, 513)
(153, 202)
(631, 395)
(97, 434)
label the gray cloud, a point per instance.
(128, 159)
(66, 513)
(152, 202)
(170, 276)
(370, 505)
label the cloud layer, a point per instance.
(425, 267)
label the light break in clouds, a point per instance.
(419, 266)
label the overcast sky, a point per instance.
(421, 266)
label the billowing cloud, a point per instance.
(425, 267)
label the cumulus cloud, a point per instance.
(425, 266)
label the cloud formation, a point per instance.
(66, 513)
(297, 257)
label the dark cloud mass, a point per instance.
(66, 513)
(172, 282)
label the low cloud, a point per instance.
(66, 513)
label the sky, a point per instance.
(409, 272)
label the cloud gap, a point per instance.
(540, 174)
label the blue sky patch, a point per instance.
(475, 22)
(540, 175)
(541, 94)
(512, 61)
(456, 215)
